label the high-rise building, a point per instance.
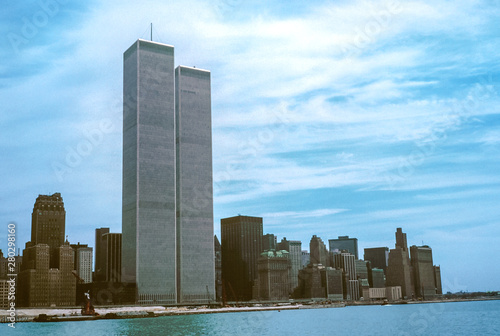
(346, 262)
(294, 248)
(112, 257)
(148, 208)
(218, 269)
(100, 255)
(241, 241)
(167, 212)
(311, 283)
(194, 194)
(332, 280)
(437, 280)
(399, 271)
(48, 222)
(46, 277)
(273, 276)
(376, 278)
(41, 285)
(423, 271)
(318, 251)
(378, 256)
(268, 242)
(305, 258)
(83, 257)
(344, 243)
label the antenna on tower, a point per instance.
(151, 31)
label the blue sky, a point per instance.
(329, 117)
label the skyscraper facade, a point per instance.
(167, 211)
(100, 255)
(344, 243)
(194, 200)
(83, 257)
(423, 271)
(318, 252)
(48, 222)
(399, 271)
(112, 257)
(378, 256)
(273, 276)
(241, 242)
(294, 248)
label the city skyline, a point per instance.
(322, 123)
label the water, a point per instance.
(459, 318)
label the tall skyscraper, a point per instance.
(294, 248)
(318, 252)
(112, 257)
(347, 263)
(344, 243)
(148, 204)
(194, 194)
(83, 257)
(378, 256)
(48, 222)
(241, 241)
(100, 255)
(268, 242)
(167, 212)
(399, 272)
(423, 271)
(218, 269)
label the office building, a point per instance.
(83, 257)
(268, 242)
(241, 241)
(167, 210)
(346, 262)
(437, 280)
(311, 283)
(305, 258)
(399, 271)
(48, 223)
(376, 278)
(112, 257)
(318, 252)
(100, 255)
(43, 286)
(378, 257)
(295, 254)
(218, 269)
(423, 271)
(194, 194)
(344, 244)
(273, 268)
(332, 281)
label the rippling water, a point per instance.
(459, 318)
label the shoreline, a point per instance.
(127, 312)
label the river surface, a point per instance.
(454, 318)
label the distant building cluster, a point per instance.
(167, 252)
(260, 269)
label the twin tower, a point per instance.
(167, 205)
